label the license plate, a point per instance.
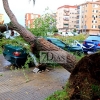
(89, 52)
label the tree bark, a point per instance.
(27, 35)
(39, 43)
(3, 27)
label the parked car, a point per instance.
(91, 44)
(8, 35)
(75, 33)
(69, 34)
(71, 48)
(16, 55)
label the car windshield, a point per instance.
(94, 38)
(58, 42)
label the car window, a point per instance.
(97, 38)
(56, 41)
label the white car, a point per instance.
(66, 34)
(69, 34)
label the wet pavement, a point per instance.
(21, 84)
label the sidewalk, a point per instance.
(19, 85)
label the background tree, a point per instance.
(74, 30)
(43, 25)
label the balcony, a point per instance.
(66, 19)
(77, 26)
(65, 22)
(66, 14)
(77, 17)
(65, 25)
(77, 22)
(66, 11)
(78, 7)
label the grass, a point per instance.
(17, 41)
(60, 94)
(70, 39)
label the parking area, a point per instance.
(26, 85)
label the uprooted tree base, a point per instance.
(84, 81)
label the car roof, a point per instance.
(93, 37)
(51, 38)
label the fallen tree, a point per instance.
(39, 43)
(85, 73)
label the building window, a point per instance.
(32, 16)
(27, 17)
(92, 16)
(96, 11)
(96, 16)
(93, 26)
(93, 5)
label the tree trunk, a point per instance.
(27, 35)
(39, 43)
(3, 27)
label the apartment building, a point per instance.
(88, 17)
(1, 19)
(66, 18)
(29, 19)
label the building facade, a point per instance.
(1, 19)
(29, 19)
(66, 18)
(88, 17)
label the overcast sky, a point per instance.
(20, 7)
